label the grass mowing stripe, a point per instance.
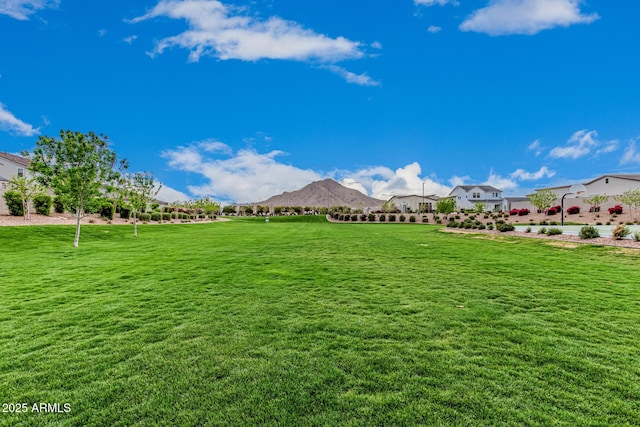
(315, 323)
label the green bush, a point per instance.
(14, 203)
(636, 236)
(166, 216)
(58, 207)
(554, 231)
(372, 217)
(42, 204)
(542, 230)
(106, 209)
(589, 232)
(363, 217)
(392, 218)
(125, 212)
(144, 217)
(155, 216)
(424, 218)
(412, 218)
(504, 227)
(382, 218)
(354, 217)
(403, 218)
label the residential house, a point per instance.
(10, 166)
(415, 203)
(468, 196)
(610, 185)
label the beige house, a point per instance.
(609, 185)
(10, 166)
(415, 203)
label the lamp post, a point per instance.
(576, 189)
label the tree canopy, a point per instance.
(76, 167)
(543, 199)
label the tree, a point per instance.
(479, 207)
(210, 206)
(543, 199)
(595, 201)
(75, 166)
(28, 188)
(139, 189)
(446, 205)
(228, 210)
(389, 206)
(631, 198)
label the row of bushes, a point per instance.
(373, 218)
(41, 203)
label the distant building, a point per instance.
(415, 203)
(10, 166)
(609, 185)
(467, 196)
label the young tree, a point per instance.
(209, 206)
(389, 206)
(631, 198)
(446, 205)
(75, 166)
(139, 189)
(543, 199)
(28, 188)
(595, 201)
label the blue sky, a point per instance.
(241, 100)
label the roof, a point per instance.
(482, 187)
(630, 176)
(23, 161)
(517, 199)
(420, 196)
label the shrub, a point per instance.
(392, 218)
(344, 217)
(354, 217)
(620, 232)
(617, 209)
(523, 212)
(382, 218)
(505, 227)
(542, 230)
(589, 232)
(58, 207)
(573, 210)
(363, 217)
(166, 216)
(452, 224)
(42, 204)
(489, 227)
(14, 203)
(636, 236)
(125, 212)
(553, 231)
(424, 218)
(412, 218)
(403, 218)
(106, 209)
(372, 217)
(528, 230)
(513, 212)
(144, 217)
(551, 211)
(155, 216)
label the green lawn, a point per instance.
(310, 323)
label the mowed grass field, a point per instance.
(308, 323)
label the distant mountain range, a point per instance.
(325, 193)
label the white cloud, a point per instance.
(10, 123)
(102, 32)
(631, 154)
(501, 183)
(579, 145)
(242, 176)
(459, 180)
(222, 31)
(435, 2)
(503, 17)
(523, 175)
(359, 79)
(434, 29)
(130, 39)
(382, 183)
(609, 147)
(536, 147)
(249, 176)
(168, 194)
(22, 9)
(376, 45)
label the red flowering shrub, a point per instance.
(617, 209)
(514, 212)
(573, 210)
(523, 212)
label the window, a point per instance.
(475, 196)
(20, 172)
(606, 180)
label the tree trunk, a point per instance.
(77, 239)
(135, 224)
